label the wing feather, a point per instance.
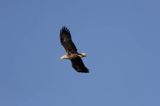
(78, 65)
(66, 40)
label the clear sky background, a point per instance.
(121, 38)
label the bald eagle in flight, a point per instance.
(72, 53)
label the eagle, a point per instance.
(72, 53)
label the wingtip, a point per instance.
(64, 29)
(83, 71)
(64, 26)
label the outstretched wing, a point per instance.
(66, 40)
(78, 65)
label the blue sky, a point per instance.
(121, 38)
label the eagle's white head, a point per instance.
(64, 57)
